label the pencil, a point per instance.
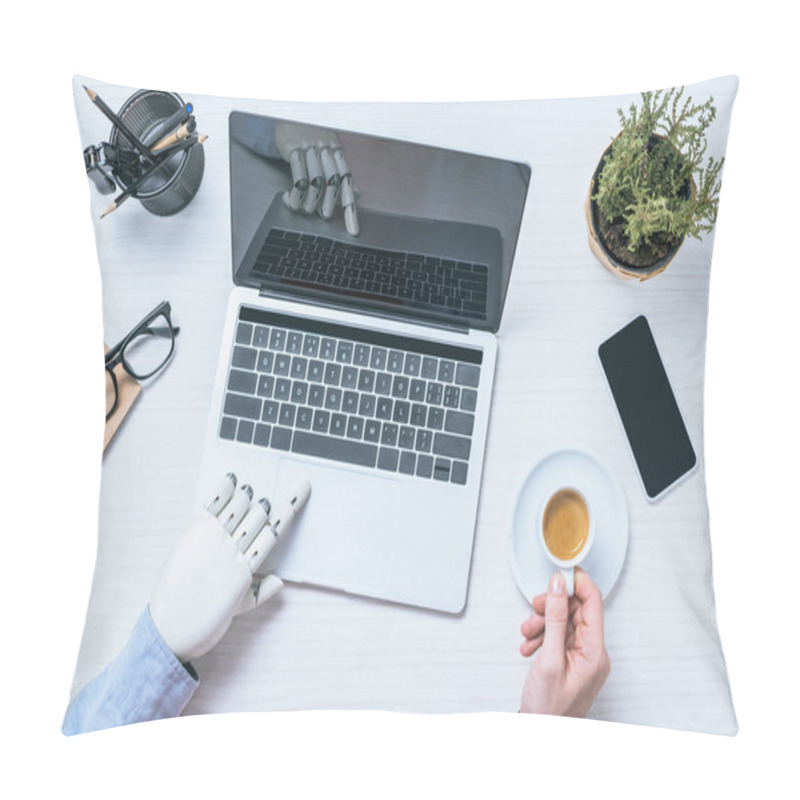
(115, 120)
(178, 118)
(175, 147)
(183, 132)
(181, 145)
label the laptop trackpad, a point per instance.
(345, 535)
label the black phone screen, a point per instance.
(647, 406)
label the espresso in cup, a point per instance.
(566, 525)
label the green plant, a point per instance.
(653, 188)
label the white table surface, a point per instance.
(316, 649)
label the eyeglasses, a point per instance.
(142, 353)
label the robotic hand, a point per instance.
(209, 578)
(320, 175)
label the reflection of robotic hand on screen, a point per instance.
(320, 175)
(209, 578)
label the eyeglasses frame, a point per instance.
(116, 354)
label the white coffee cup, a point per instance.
(566, 530)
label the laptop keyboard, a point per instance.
(407, 279)
(362, 397)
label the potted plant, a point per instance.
(651, 188)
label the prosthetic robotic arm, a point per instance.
(211, 575)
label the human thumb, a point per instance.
(556, 616)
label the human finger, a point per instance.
(533, 626)
(556, 620)
(530, 646)
(533, 643)
(540, 602)
(585, 588)
(575, 612)
(591, 606)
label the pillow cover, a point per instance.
(598, 391)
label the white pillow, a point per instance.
(321, 649)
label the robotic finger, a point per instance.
(263, 543)
(316, 180)
(348, 193)
(222, 494)
(251, 525)
(333, 182)
(236, 508)
(294, 198)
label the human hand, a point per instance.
(572, 663)
(320, 175)
(208, 579)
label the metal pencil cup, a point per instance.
(172, 187)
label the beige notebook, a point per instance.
(128, 392)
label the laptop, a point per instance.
(365, 363)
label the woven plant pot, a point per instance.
(611, 261)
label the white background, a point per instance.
(51, 398)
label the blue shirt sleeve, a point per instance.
(145, 681)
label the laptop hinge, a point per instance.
(445, 326)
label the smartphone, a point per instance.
(647, 407)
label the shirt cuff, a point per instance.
(145, 681)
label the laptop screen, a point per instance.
(369, 223)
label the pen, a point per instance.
(178, 118)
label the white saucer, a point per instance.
(532, 569)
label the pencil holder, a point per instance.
(172, 187)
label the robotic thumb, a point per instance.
(260, 593)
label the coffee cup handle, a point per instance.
(569, 579)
